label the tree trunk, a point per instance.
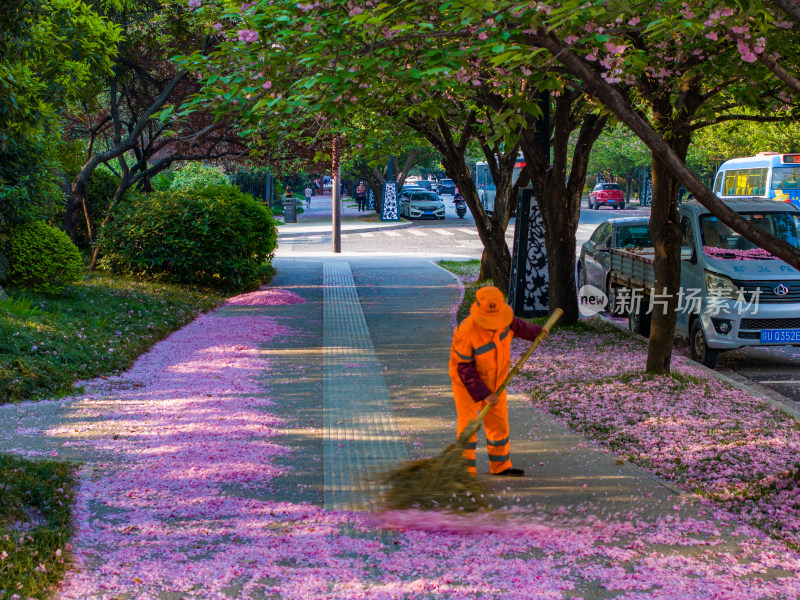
(87, 212)
(665, 229)
(123, 186)
(560, 204)
(485, 272)
(71, 212)
(375, 181)
(77, 202)
(560, 240)
(498, 258)
(70, 223)
(409, 164)
(666, 235)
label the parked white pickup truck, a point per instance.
(733, 294)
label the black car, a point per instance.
(447, 186)
(425, 183)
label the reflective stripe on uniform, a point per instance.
(471, 446)
(484, 349)
(496, 443)
(502, 458)
(469, 462)
(505, 333)
(463, 357)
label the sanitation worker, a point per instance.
(480, 359)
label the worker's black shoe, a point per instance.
(512, 473)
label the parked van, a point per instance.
(768, 175)
(733, 294)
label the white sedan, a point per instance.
(422, 205)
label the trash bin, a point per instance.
(289, 211)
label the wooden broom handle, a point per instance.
(554, 317)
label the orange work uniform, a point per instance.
(490, 351)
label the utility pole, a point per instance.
(336, 192)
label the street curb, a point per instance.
(754, 388)
(777, 400)
(365, 228)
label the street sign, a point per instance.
(528, 287)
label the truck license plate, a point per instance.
(785, 336)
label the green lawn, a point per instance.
(97, 327)
(35, 522)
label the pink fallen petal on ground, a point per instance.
(266, 297)
(181, 502)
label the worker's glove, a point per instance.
(492, 399)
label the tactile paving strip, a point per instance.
(361, 433)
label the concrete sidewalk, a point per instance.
(317, 219)
(407, 307)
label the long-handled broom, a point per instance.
(443, 481)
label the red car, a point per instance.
(606, 194)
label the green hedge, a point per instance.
(42, 259)
(214, 236)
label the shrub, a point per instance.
(216, 236)
(196, 176)
(100, 190)
(161, 182)
(42, 258)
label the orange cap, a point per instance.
(490, 310)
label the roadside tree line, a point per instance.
(461, 74)
(282, 83)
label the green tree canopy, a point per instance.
(52, 52)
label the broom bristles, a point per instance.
(440, 482)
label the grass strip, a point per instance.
(97, 327)
(35, 525)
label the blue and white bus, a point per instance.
(485, 184)
(767, 175)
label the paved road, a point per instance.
(777, 369)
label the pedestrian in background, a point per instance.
(361, 196)
(288, 192)
(480, 359)
(308, 196)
